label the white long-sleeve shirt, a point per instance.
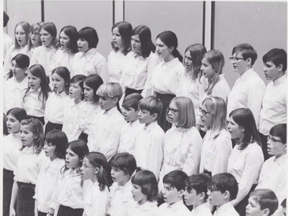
(177, 208)
(86, 115)
(201, 210)
(62, 58)
(147, 209)
(11, 146)
(115, 64)
(33, 102)
(7, 43)
(226, 209)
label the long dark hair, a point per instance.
(125, 30)
(144, 34)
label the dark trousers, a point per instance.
(264, 140)
(8, 177)
(68, 211)
(241, 207)
(42, 213)
(41, 119)
(25, 202)
(129, 91)
(52, 126)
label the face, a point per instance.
(171, 194)
(119, 176)
(13, 124)
(191, 197)
(75, 91)
(275, 146)
(116, 38)
(87, 170)
(145, 117)
(35, 38)
(271, 71)
(253, 208)
(72, 160)
(88, 93)
(83, 45)
(162, 50)
(106, 103)
(207, 70)
(129, 113)
(58, 83)
(64, 40)
(188, 61)
(206, 117)
(33, 81)
(239, 64)
(16, 70)
(215, 197)
(27, 137)
(20, 36)
(49, 150)
(138, 196)
(46, 38)
(236, 131)
(173, 113)
(136, 44)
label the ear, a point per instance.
(280, 67)
(202, 196)
(181, 192)
(115, 99)
(266, 212)
(242, 129)
(171, 49)
(96, 170)
(249, 61)
(154, 116)
(227, 195)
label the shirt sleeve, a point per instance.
(99, 204)
(101, 68)
(7, 64)
(220, 92)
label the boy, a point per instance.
(222, 189)
(274, 104)
(173, 190)
(123, 165)
(148, 148)
(273, 173)
(249, 88)
(106, 127)
(261, 202)
(196, 194)
(130, 131)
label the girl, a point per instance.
(17, 82)
(212, 65)
(27, 168)
(57, 100)
(139, 63)
(55, 147)
(44, 54)
(217, 144)
(246, 159)
(36, 95)
(72, 108)
(182, 143)
(96, 194)
(88, 60)
(69, 192)
(167, 74)
(145, 193)
(121, 45)
(35, 40)
(11, 150)
(21, 33)
(68, 47)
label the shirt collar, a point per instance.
(111, 111)
(146, 206)
(150, 126)
(172, 62)
(28, 150)
(280, 80)
(246, 74)
(201, 207)
(224, 208)
(63, 93)
(135, 55)
(175, 205)
(37, 90)
(89, 53)
(280, 160)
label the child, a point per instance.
(27, 169)
(73, 108)
(68, 193)
(96, 194)
(196, 194)
(222, 189)
(55, 147)
(145, 192)
(11, 146)
(106, 128)
(123, 165)
(174, 186)
(262, 202)
(35, 40)
(57, 100)
(36, 95)
(149, 142)
(130, 131)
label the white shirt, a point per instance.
(7, 43)
(201, 210)
(247, 92)
(215, 152)
(105, 132)
(177, 208)
(33, 102)
(87, 113)
(90, 62)
(147, 209)
(115, 63)
(273, 176)
(226, 209)
(47, 179)
(128, 136)
(95, 201)
(149, 148)
(12, 96)
(274, 105)
(55, 104)
(62, 58)
(245, 166)
(71, 119)
(11, 146)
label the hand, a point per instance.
(12, 212)
(35, 212)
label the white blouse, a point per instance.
(178, 208)
(11, 146)
(86, 115)
(7, 43)
(115, 63)
(33, 103)
(62, 58)
(147, 209)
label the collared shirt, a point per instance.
(95, 201)
(245, 166)
(87, 113)
(226, 209)
(273, 176)
(7, 43)
(12, 96)
(215, 152)
(115, 63)
(33, 102)
(201, 210)
(149, 148)
(62, 58)
(247, 92)
(146, 209)
(11, 146)
(274, 105)
(178, 208)
(90, 62)
(105, 131)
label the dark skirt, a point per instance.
(42, 213)
(52, 126)
(129, 91)
(241, 206)
(41, 119)
(8, 177)
(165, 99)
(68, 211)
(25, 202)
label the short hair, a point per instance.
(51, 29)
(18, 113)
(224, 182)
(277, 56)
(132, 100)
(26, 27)
(144, 34)
(79, 147)
(64, 73)
(266, 198)
(125, 30)
(22, 60)
(125, 162)
(79, 78)
(72, 33)
(5, 19)
(280, 131)
(247, 51)
(176, 178)
(198, 182)
(94, 81)
(148, 183)
(90, 35)
(151, 104)
(58, 139)
(111, 89)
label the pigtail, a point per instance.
(177, 54)
(102, 178)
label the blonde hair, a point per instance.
(110, 90)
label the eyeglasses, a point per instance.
(34, 33)
(204, 112)
(172, 110)
(235, 59)
(273, 139)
